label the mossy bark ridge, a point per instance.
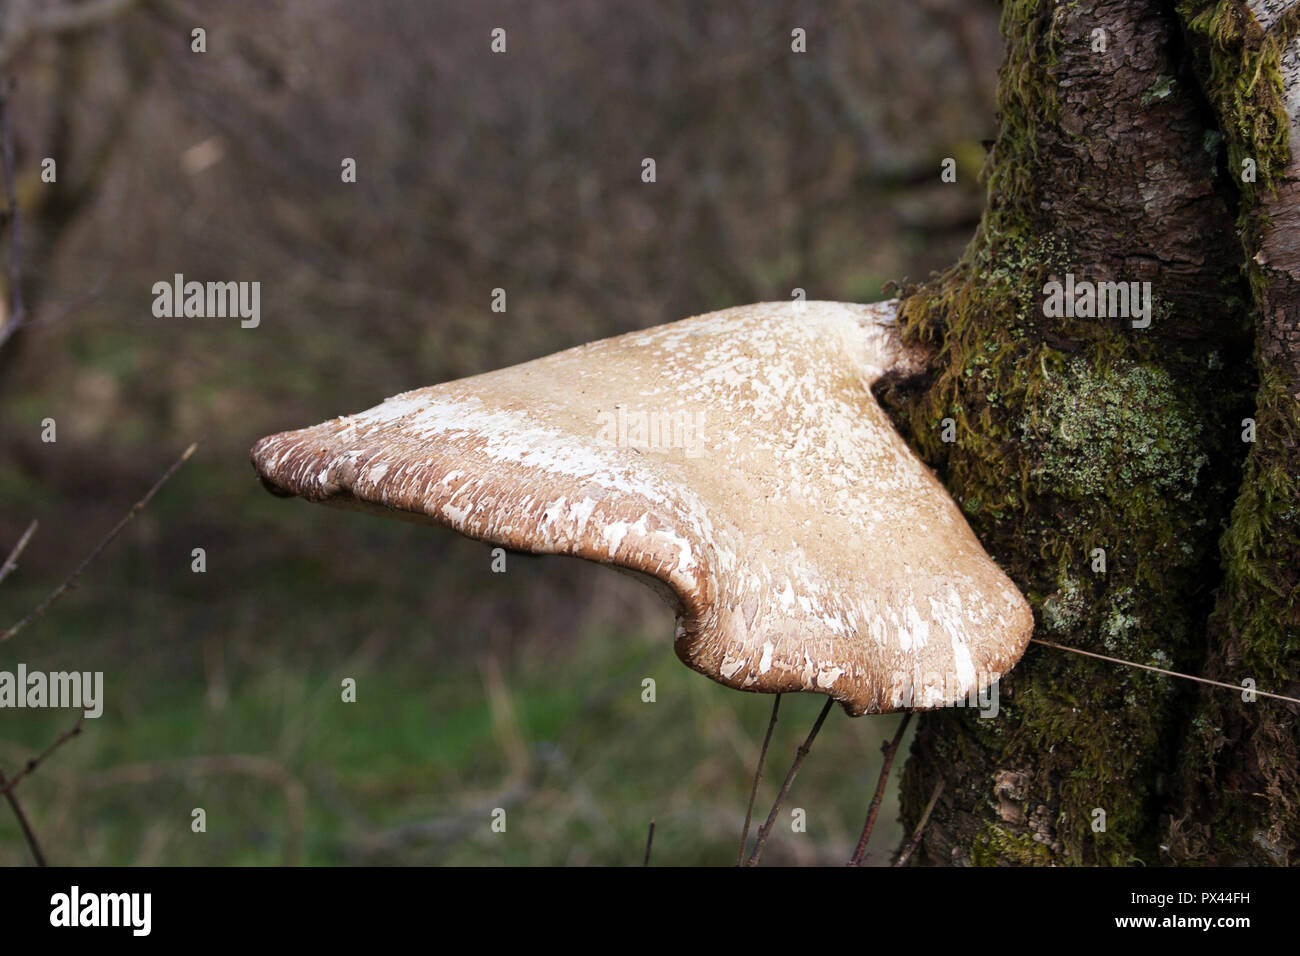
(1122, 128)
(1240, 770)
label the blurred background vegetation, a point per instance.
(476, 171)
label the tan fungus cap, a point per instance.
(736, 459)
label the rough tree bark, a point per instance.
(1124, 130)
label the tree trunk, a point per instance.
(1101, 459)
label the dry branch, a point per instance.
(7, 787)
(758, 775)
(890, 750)
(913, 843)
(11, 562)
(766, 829)
(104, 543)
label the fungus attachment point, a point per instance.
(737, 459)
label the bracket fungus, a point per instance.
(739, 462)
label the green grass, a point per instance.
(421, 745)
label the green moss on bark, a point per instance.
(1241, 76)
(1256, 626)
(1241, 69)
(995, 847)
(1073, 435)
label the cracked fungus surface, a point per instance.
(739, 459)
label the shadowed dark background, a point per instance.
(475, 171)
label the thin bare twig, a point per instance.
(40, 758)
(11, 562)
(758, 775)
(649, 842)
(913, 843)
(89, 559)
(889, 749)
(22, 822)
(1161, 670)
(799, 756)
